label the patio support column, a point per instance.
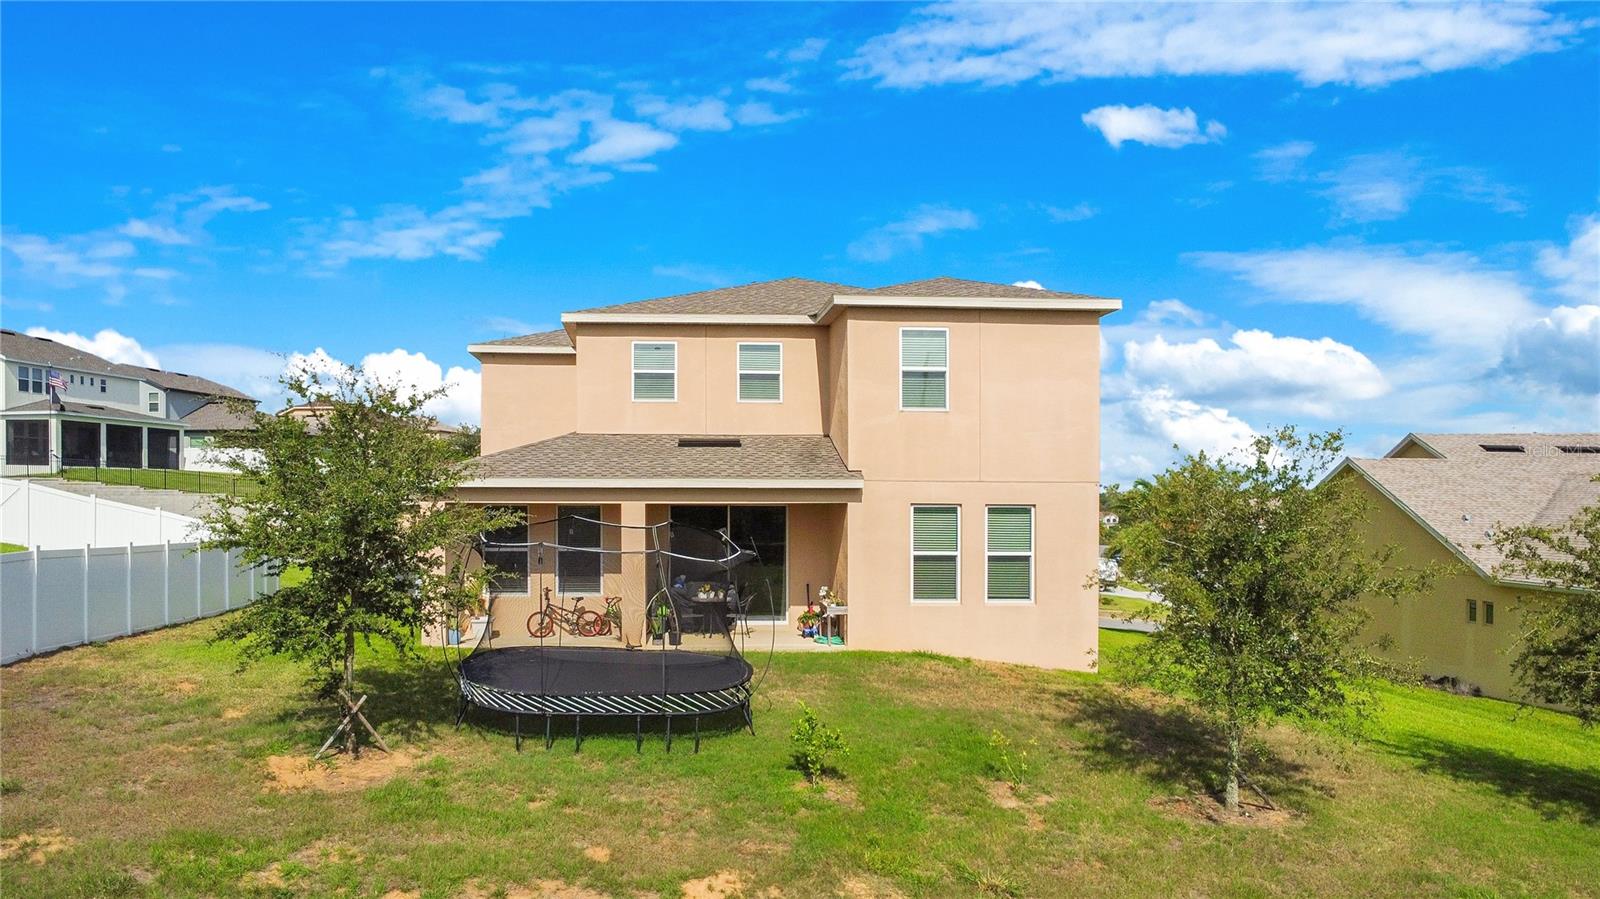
(634, 572)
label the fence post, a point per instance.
(127, 586)
(199, 593)
(33, 594)
(254, 593)
(166, 584)
(94, 517)
(86, 593)
(227, 582)
(161, 526)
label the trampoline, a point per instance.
(672, 655)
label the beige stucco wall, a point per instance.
(1059, 629)
(527, 398)
(707, 400)
(1430, 631)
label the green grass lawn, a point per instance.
(12, 547)
(1129, 607)
(139, 768)
(187, 481)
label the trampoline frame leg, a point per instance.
(749, 719)
(638, 733)
(518, 731)
(577, 734)
(461, 713)
(697, 735)
(549, 739)
(669, 733)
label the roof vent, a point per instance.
(696, 442)
(1501, 447)
(1580, 448)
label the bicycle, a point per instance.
(577, 620)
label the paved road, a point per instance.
(1133, 594)
(1138, 625)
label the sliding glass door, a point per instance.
(764, 529)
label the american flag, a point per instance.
(57, 381)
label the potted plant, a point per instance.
(809, 619)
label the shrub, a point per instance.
(813, 742)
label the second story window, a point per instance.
(155, 402)
(30, 379)
(925, 369)
(760, 372)
(102, 385)
(655, 372)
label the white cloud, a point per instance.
(504, 324)
(1152, 125)
(907, 234)
(1562, 348)
(1314, 377)
(769, 85)
(1450, 299)
(613, 141)
(106, 343)
(250, 369)
(689, 271)
(756, 113)
(1164, 311)
(1283, 162)
(808, 50)
(463, 387)
(705, 114)
(1576, 269)
(1077, 212)
(45, 257)
(144, 229)
(1031, 285)
(1383, 186)
(408, 233)
(1190, 425)
(1352, 43)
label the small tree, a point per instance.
(1262, 567)
(1558, 659)
(359, 497)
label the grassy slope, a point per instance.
(1129, 607)
(12, 548)
(167, 744)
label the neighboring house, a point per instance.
(1439, 499)
(106, 413)
(930, 450)
(312, 413)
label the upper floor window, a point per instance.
(30, 379)
(102, 385)
(925, 369)
(155, 402)
(1009, 562)
(655, 372)
(760, 372)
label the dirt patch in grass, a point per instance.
(403, 894)
(1200, 807)
(287, 773)
(865, 888)
(234, 714)
(601, 854)
(833, 789)
(1006, 795)
(185, 687)
(36, 847)
(720, 885)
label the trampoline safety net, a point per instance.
(588, 617)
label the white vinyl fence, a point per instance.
(35, 515)
(54, 598)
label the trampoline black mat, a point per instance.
(590, 680)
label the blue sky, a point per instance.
(1382, 218)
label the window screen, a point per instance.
(924, 368)
(935, 548)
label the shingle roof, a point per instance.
(1463, 499)
(959, 287)
(177, 380)
(91, 409)
(558, 337)
(43, 351)
(1467, 446)
(785, 296)
(218, 417)
(660, 457)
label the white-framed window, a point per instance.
(30, 379)
(935, 553)
(1008, 549)
(655, 371)
(507, 552)
(760, 372)
(155, 402)
(102, 385)
(924, 369)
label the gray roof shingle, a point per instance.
(1463, 499)
(218, 416)
(43, 351)
(91, 409)
(660, 457)
(960, 287)
(785, 296)
(558, 337)
(1470, 446)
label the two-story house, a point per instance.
(104, 413)
(929, 450)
